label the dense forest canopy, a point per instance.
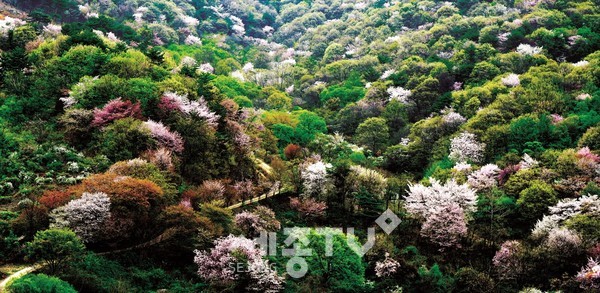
(210, 146)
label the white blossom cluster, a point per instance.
(399, 94)
(314, 177)
(528, 50)
(8, 23)
(511, 80)
(424, 200)
(85, 216)
(465, 147)
(484, 178)
(564, 210)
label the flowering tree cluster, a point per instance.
(399, 94)
(564, 210)
(386, 267)
(85, 216)
(114, 110)
(528, 50)
(484, 178)
(173, 102)
(511, 80)
(261, 219)
(527, 162)
(445, 227)
(219, 265)
(164, 136)
(308, 208)
(563, 241)
(465, 147)
(452, 119)
(314, 179)
(507, 260)
(424, 201)
(589, 276)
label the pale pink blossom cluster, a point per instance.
(457, 86)
(399, 94)
(218, 265)
(507, 260)
(589, 276)
(452, 119)
(193, 40)
(462, 167)
(465, 147)
(314, 178)
(556, 118)
(85, 215)
(8, 23)
(528, 50)
(52, 30)
(164, 136)
(309, 208)
(445, 227)
(583, 97)
(511, 80)
(114, 110)
(387, 73)
(527, 162)
(564, 210)
(581, 63)
(423, 200)
(563, 241)
(181, 103)
(206, 67)
(386, 267)
(484, 178)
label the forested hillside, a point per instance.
(189, 145)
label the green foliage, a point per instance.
(341, 272)
(535, 200)
(55, 247)
(373, 133)
(350, 91)
(40, 283)
(124, 139)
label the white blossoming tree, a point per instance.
(85, 216)
(465, 148)
(423, 201)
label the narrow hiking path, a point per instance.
(18, 274)
(272, 192)
(167, 234)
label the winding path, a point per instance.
(167, 234)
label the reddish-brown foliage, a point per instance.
(55, 198)
(292, 151)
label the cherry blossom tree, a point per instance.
(386, 267)
(507, 260)
(484, 178)
(85, 216)
(423, 200)
(563, 242)
(465, 147)
(164, 136)
(219, 265)
(261, 219)
(511, 80)
(445, 227)
(174, 102)
(308, 208)
(314, 179)
(114, 110)
(589, 276)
